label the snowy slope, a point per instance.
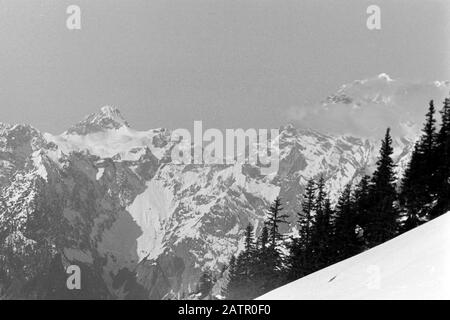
(415, 265)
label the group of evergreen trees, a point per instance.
(426, 183)
(260, 267)
(370, 213)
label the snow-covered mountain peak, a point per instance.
(112, 112)
(385, 77)
(108, 117)
(365, 108)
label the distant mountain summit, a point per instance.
(108, 118)
(366, 107)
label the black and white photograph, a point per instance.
(227, 150)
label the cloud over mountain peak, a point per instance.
(367, 107)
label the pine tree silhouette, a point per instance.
(263, 240)
(264, 268)
(345, 242)
(418, 184)
(273, 256)
(382, 214)
(273, 222)
(321, 231)
(300, 259)
(305, 218)
(249, 238)
(442, 173)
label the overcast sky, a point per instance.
(229, 63)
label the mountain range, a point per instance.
(109, 198)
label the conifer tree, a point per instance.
(263, 239)
(323, 234)
(232, 266)
(321, 231)
(418, 184)
(321, 195)
(273, 256)
(241, 279)
(345, 242)
(300, 259)
(236, 278)
(244, 271)
(382, 214)
(361, 198)
(428, 140)
(442, 173)
(248, 257)
(427, 156)
(361, 205)
(264, 269)
(230, 288)
(249, 238)
(273, 222)
(258, 269)
(411, 196)
(305, 218)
